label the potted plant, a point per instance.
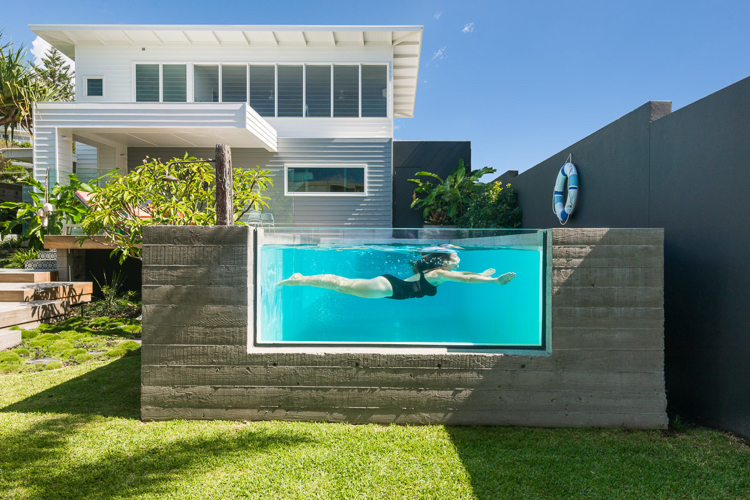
(443, 202)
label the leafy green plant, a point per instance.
(496, 206)
(20, 256)
(113, 302)
(444, 201)
(169, 193)
(25, 144)
(67, 210)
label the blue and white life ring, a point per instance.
(564, 208)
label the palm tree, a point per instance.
(20, 89)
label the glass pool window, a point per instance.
(328, 180)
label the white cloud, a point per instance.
(468, 28)
(40, 48)
(439, 53)
(437, 14)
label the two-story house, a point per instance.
(313, 104)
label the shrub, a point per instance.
(129, 345)
(9, 357)
(61, 345)
(494, 207)
(113, 353)
(20, 256)
(53, 365)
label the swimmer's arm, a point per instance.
(468, 277)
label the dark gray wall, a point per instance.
(613, 173)
(687, 172)
(410, 157)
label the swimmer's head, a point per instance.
(436, 260)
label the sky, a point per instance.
(521, 80)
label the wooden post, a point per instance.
(224, 200)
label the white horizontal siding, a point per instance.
(346, 128)
(86, 166)
(373, 210)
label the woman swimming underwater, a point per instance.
(430, 271)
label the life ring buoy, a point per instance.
(562, 208)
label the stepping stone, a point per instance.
(41, 361)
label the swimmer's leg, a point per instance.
(375, 288)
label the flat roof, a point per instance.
(405, 40)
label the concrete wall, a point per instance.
(605, 366)
(686, 172)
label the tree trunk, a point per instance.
(224, 200)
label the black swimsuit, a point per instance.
(410, 289)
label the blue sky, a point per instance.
(521, 80)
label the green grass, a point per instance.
(73, 341)
(75, 433)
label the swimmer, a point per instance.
(431, 271)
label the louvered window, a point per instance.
(174, 88)
(147, 83)
(263, 90)
(345, 91)
(318, 90)
(94, 87)
(374, 90)
(290, 90)
(234, 83)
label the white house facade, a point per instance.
(312, 104)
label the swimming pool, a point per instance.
(459, 315)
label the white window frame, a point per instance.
(287, 166)
(86, 87)
(190, 84)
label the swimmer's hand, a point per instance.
(488, 272)
(505, 278)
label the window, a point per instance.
(345, 91)
(147, 83)
(174, 78)
(263, 90)
(374, 91)
(233, 83)
(326, 180)
(206, 83)
(318, 90)
(290, 90)
(94, 87)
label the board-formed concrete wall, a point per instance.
(604, 367)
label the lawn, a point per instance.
(74, 433)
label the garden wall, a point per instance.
(604, 367)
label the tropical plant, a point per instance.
(179, 192)
(495, 206)
(10, 172)
(20, 89)
(20, 256)
(445, 201)
(114, 301)
(29, 218)
(57, 74)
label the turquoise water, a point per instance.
(460, 314)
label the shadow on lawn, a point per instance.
(111, 391)
(102, 469)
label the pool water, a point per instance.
(461, 314)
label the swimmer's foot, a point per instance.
(294, 279)
(505, 278)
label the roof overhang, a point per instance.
(405, 40)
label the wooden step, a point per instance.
(56, 290)
(18, 313)
(27, 276)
